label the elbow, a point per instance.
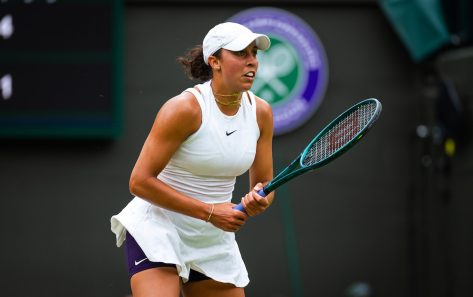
(141, 184)
(134, 185)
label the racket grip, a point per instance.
(262, 193)
(240, 206)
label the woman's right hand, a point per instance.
(226, 218)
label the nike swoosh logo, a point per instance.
(142, 260)
(230, 133)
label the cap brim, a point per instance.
(262, 42)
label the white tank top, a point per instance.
(207, 163)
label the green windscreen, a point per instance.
(420, 24)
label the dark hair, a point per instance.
(194, 65)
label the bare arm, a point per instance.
(177, 119)
(261, 172)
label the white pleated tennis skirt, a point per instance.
(170, 237)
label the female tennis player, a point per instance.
(179, 228)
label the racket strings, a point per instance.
(340, 134)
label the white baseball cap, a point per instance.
(233, 37)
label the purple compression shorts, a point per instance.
(137, 261)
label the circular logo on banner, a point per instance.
(293, 73)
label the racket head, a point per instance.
(341, 134)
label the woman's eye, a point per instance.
(244, 53)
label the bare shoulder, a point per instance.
(263, 108)
(181, 112)
(184, 104)
(264, 114)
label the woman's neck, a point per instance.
(226, 98)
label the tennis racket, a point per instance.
(332, 142)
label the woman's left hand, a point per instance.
(253, 203)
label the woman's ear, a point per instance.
(214, 63)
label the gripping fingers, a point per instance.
(249, 208)
(227, 218)
(238, 225)
(234, 225)
(254, 204)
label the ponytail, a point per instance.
(194, 66)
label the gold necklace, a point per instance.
(230, 103)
